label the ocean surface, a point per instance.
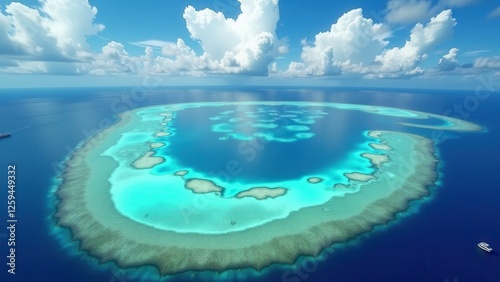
(434, 241)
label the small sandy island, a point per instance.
(156, 145)
(181, 172)
(202, 186)
(147, 161)
(262, 193)
(314, 180)
(161, 134)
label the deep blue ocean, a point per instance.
(435, 241)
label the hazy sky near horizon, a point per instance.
(419, 43)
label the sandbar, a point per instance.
(161, 134)
(155, 145)
(381, 147)
(375, 134)
(202, 186)
(314, 180)
(262, 193)
(358, 176)
(181, 172)
(147, 161)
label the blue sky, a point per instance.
(393, 43)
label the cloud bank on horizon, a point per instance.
(52, 38)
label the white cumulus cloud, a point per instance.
(487, 62)
(247, 44)
(52, 38)
(39, 40)
(56, 31)
(449, 61)
(353, 39)
(70, 22)
(422, 39)
(6, 47)
(113, 59)
(356, 45)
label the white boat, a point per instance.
(485, 247)
(4, 135)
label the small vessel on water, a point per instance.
(485, 247)
(3, 135)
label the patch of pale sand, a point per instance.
(147, 161)
(314, 180)
(375, 159)
(181, 172)
(382, 147)
(202, 186)
(358, 176)
(162, 134)
(262, 193)
(375, 134)
(155, 145)
(340, 186)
